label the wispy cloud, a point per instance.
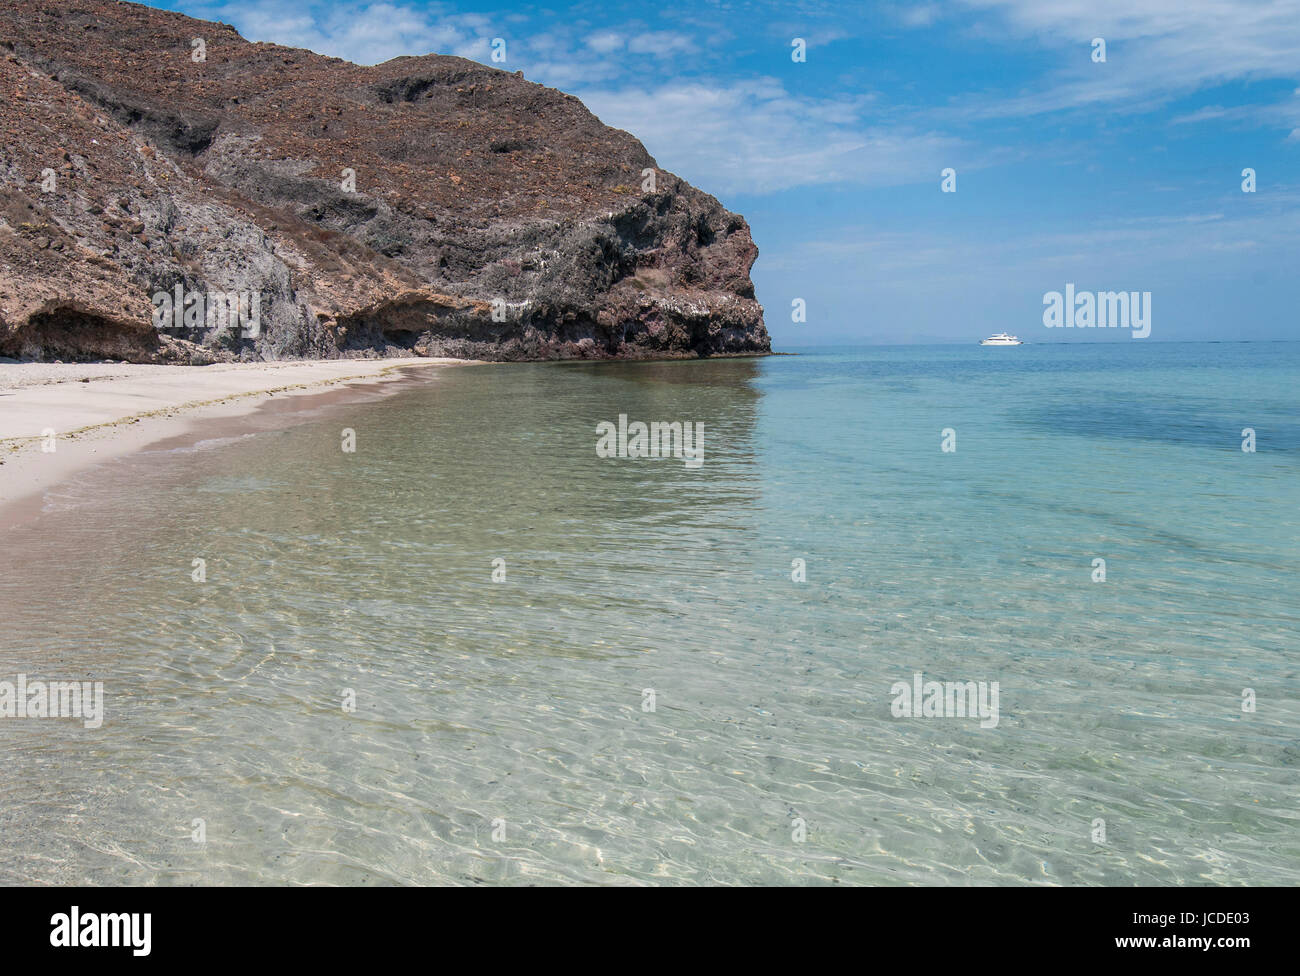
(362, 32)
(1135, 245)
(756, 137)
(1156, 50)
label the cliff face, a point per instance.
(491, 217)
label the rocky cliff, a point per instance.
(318, 208)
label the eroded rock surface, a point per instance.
(491, 218)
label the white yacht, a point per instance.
(1002, 339)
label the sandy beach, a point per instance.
(57, 419)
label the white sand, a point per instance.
(124, 408)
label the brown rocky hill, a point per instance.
(491, 217)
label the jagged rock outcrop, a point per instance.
(491, 217)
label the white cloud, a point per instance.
(754, 136)
(361, 32)
(605, 42)
(662, 44)
(1156, 49)
(920, 15)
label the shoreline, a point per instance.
(100, 412)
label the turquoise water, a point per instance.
(501, 732)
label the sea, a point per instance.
(920, 615)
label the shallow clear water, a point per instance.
(499, 734)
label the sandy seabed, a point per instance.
(57, 419)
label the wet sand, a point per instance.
(90, 413)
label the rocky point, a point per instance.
(428, 205)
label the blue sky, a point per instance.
(1122, 175)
